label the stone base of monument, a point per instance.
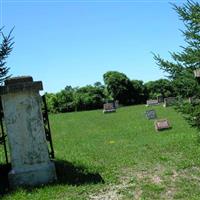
(34, 175)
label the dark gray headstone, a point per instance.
(160, 99)
(170, 101)
(151, 114)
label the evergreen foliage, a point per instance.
(180, 71)
(6, 47)
(189, 58)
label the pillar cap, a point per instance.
(20, 84)
(18, 79)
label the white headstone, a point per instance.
(152, 102)
(30, 160)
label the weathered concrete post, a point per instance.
(30, 160)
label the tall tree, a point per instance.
(140, 91)
(188, 59)
(184, 62)
(119, 87)
(162, 87)
(6, 46)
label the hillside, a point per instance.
(121, 156)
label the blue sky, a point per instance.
(76, 42)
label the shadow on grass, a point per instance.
(67, 174)
(4, 186)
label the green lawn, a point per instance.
(120, 156)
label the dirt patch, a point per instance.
(109, 194)
(137, 194)
(132, 183)
(112, 192)
(156, 179)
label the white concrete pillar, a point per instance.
(30, 160)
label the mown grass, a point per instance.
(121, 153)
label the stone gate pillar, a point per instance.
(30, 160)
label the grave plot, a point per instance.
(162, 124)
(151, 114)
(108, 108)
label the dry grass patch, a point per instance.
(158, 182)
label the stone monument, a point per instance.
(108, 108)
(152, 102)
(151, 114)
(197, 75)
(30, 162)
(160, 99)
(170, 101)
(161, 124)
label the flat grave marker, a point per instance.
(162, 124)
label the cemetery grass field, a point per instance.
(120, 155)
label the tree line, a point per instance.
(117, 86)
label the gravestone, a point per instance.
(191, 99)
(108, 108)
(160, 99)
(197, 73)
(30, 162)
(162, 124)
(152, 102)
(151, 114)
(116, 104)
(170, 101)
